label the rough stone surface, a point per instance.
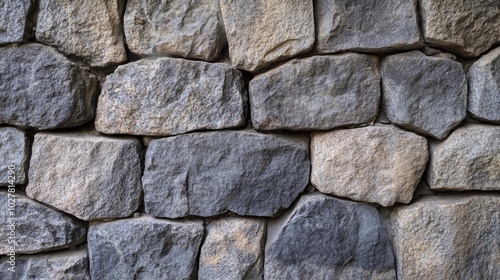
(424, 94)
(233, 249)
(88, 176)
(91, 33)
(171, 96)
(379, 164)
(469, 159)
(13, 19)
(466, 28)
(328, 238)
(366, 25)
(41, 88)
(37, 228)
(320, 92)
(191, 29)
(14, 149)
(484, 87)
(62, 265)
(261, 32)
(211, 173)
(453, 237)
(144, 248)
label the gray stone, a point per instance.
(466, 28)
(366, 25)
(170, 96)
(484, 87)
(13, 17)
(261, 32)
(61, 265)
(379, 164)
(211, 173)
(36, 228)
(469, 159)
(328, 238)
(144, 248)
(89, 176)
(90, 32)
(191, 29)
(14, 149)
(40, 88)
(454, 237)
(320, 92)
(233, 249)
(424, 94)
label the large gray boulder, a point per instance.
(14, 155)
(13, 20)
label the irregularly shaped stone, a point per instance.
(90, 32)
(453, 237)
(36, 228)
(366, 25)
(211, 173)
(191, 29)
(466, 28)
(484, 87)
(13, 17)
(469, 159)
(144, 248)
(328, 238)
(233, 249)
(41, 88)
(89, 176)
(171, 96)
(424, 94)
(379, 164)
(261, 32)
(320, 92)
(14, 149)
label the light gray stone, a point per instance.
(191, 29)
(320, 92)
(424, 94)
(454, 237)
(14, 149)
(144, 248)
(207, 174)
(379, 164)
(40, 88)
(90, 32)
(366, 25)
(13, 20)
(233, 249)
(469, 159)
(169, 96)
(328, 238)
(36, 228)
(261, 32)
(89, 176)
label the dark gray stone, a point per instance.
(13, 17)
(14, 149)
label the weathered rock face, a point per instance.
(41, 88)
(171, 96)
(447, 237)
(37, 228)
(467, 28)
(91, 177)
(379, 164)
(261, 32)
(328, 238)
(191, 29)
(366, 25)
(320, 92)
(92, 33)
(144, 248)
(469, 159)
(211, 173)
(233, 249)
(14, 149)
(484, 87)
(13, 19)
(424, 94)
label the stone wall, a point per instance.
(264, 139)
